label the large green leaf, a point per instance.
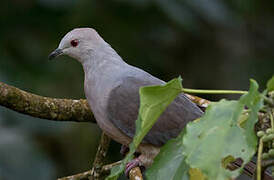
(207, 146)
(217, 139)
(170, 162)
(153, 101)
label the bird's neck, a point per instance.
(101, 60)
(100, 70)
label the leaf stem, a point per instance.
(268, 100)
(259, 159)
(202, 91)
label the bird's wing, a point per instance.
(123, 105)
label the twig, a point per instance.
(84, 175)
(80, 176)
(100, 156)
(45, 107)
(259, 159)
(96, 172)
(199, 101)
(106, 168)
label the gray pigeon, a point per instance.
(111, 88)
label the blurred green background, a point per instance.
(212, 44)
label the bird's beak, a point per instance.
(55, 53)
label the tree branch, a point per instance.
(84, 175)
(100, 156)
(45, 107)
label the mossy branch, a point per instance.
(45, 107)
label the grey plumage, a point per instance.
(123, 104)
(111, 88)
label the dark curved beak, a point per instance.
(55, 53)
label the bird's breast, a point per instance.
(97, 93)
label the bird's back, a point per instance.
(123, 104)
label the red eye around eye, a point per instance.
(74, 43)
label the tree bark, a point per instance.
(45, 107)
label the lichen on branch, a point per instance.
(45, 107)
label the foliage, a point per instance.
(266, 146)
(206, 146)
(270, 84)
(217, 139)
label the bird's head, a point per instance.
(78, 43)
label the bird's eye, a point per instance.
(74, 43)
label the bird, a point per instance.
(112, 90)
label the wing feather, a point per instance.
(123, 105)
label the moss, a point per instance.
(45, 107)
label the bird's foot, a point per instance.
(124, 150)
(132, 164)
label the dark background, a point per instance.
(212, 44)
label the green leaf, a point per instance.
(217, 139)
(153, 101)
(169, 163)
(254, 101)
(270, 84)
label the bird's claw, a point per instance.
(132, 164)
(124, 150)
